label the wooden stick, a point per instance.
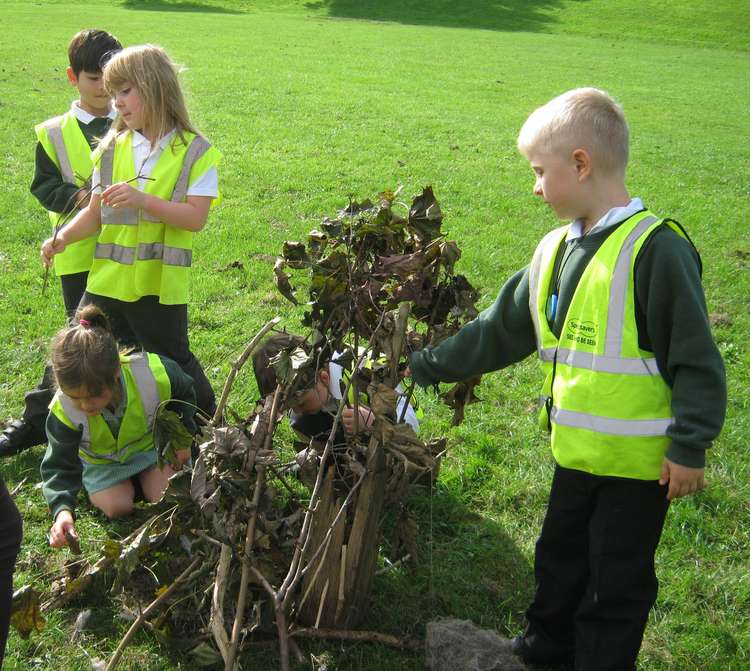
(322, 603)
(342, 578)
(402, 643)
(181, 579)
(237, 365)
(393, 565)
(260, 479)
(216, 621)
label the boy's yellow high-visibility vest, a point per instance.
(146, 385)
(136, 255)
(65, 143)
(604, 400)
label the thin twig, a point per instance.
(216, 620)
(237, 365)
(250, 539)
(181, 579)
(400, 642)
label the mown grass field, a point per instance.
(311, 102)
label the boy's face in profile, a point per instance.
(313, 399)
(92, 95)
(558, 182)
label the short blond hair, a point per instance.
(585, 118)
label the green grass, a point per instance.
(313, 101)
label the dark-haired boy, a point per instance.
(315, 403)
(62, 171)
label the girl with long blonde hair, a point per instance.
(156, 179)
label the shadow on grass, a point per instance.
(502, 15)
(468, 567)
(178, 6)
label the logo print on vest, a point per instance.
(581, 332)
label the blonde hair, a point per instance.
(585, 118)
(85, 354)
(149, 69)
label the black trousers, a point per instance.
(36, 401)
(157, 328)
(594, 568)
(10, 542)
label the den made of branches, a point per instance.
(264, 538)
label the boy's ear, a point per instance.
(324, 376)
(582, 160)
(72, 77)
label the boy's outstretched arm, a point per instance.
(501, 335)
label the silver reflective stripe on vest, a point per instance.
(197, 148)
(146, 383)
(170, 256)
(618, 427)
(119, 216)
(54, 133)
(601, 363)
(619, 289)
(534, 272)
(113, 252)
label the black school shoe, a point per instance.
(520, 648)
(18, 436)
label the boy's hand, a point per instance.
(50, 247)
(63, 525)
(123, 195)
(366, 418)
(682, 480)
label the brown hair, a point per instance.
(148, 68)
(85, 354)
(265, 375)
(88, 48)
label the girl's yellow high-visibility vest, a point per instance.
(65, 143)
(603, 399)
(146, 385)
(136, 255)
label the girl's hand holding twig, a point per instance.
(50, 247)
(64, 524)
(123, 194)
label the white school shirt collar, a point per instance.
(139, 139)
(84, 117)
(615, 216)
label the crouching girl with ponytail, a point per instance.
(101, 419)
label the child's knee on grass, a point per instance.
(154, 482)
(115, 501)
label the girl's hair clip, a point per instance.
(84, 322)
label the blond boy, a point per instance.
(634, 389)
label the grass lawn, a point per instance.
(311, 102)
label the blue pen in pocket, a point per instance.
(551, 307)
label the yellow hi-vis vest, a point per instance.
(137, 255)
(146, 385)
(604, 400)
(65, 143)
